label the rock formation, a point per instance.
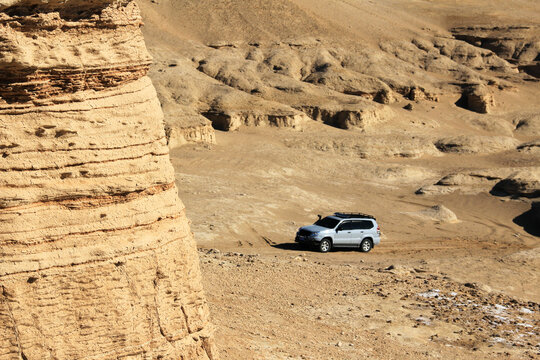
(519, 44)
(524, 182)
(476, 144)
(188, 128)
(97, 259)
(479, 99)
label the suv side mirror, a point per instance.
(339, 228)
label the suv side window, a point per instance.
(366, 224)
(362, 225)
(346, 225)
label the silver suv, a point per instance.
(341, 230)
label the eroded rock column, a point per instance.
(97, 260)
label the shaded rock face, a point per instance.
(477, 98)
(518, 44)
(97, 258)
(480, 100)
(524, 183)
(530, 220)
(197, 129)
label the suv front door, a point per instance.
(343, 234)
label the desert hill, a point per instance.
(366, 21)
(243, 63)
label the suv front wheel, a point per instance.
(325, 245)
(366, 245)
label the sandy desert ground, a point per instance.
(431, 289)
(386, 81)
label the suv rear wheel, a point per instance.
(325, 245)
(366, 245)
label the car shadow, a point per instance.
(303, 248)
(294, 247)
(529, 220)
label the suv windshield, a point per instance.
(327, 222)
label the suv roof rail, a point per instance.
(345, 215)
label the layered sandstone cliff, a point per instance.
(97, 259)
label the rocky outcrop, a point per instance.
(187, 129)
(467, 182)
(476, 144)
(349, 116)
(349, 82)
(307, 78)
(97, 259)
(479, 99)
(519, 44)
(233, 120)
(525, 182)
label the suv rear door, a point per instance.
(360, 230)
